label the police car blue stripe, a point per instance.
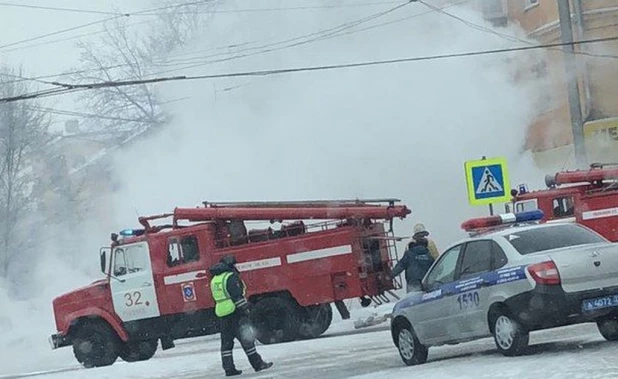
(487, 279)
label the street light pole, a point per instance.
(566, 34)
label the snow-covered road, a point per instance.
(572, 352)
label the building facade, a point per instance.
(550, 136)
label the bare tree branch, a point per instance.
(22, 131)
(124, 54)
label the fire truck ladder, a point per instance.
(602, 165)
(391, 245)
(302, 203)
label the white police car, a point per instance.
(505, 282)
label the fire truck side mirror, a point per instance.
(103, 259)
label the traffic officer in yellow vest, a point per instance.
(228, 290)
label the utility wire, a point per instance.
(325, 34)
(66, 38)
(278, 9)
(67, 88)
(60, 31)
(320, 35)
(288, 43)
(119, 15)
(75, 10)
(507, 37)
(152, 13)
(85, 115)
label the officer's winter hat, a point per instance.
(420, 231)
(229, 260)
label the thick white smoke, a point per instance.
(401, 130)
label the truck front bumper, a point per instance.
(58, 340)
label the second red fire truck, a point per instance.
(588, 197)
(157, 280)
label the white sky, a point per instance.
(43, 56)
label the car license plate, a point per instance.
(600, 303)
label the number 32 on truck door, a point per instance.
(468, 300)
(133, 298)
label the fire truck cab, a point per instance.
(157, 278)
(588, 197)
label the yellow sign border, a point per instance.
(469, 165)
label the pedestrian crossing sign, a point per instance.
(487, 181)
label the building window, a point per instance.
(494, 11)
(531, 3)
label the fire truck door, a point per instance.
(185, 276)
(133, 290)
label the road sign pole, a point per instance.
(491, 206)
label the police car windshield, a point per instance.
(552, 237)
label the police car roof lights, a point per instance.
(503, 219)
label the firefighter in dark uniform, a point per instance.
(232, 309)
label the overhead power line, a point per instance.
(75, 10)
(295, 8)
(193, 62)
(68, 88)
(60, 32)
(241, 10)
(280, 45)
(505, 36)
(86, 115)
(116, 16)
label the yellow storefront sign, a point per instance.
(601, 139)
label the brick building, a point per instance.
(550, 136)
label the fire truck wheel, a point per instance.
(138, 350)
(95, 345)
(316, 320)
(275, 320)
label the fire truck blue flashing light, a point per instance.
(132, 232)
(503, 219)
(127, 232)
(522, 189)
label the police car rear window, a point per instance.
(553, 237)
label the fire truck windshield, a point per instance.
(551, 237)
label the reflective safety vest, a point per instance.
(224, 305)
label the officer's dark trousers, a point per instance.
(231, 327)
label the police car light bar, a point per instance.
(503, 219)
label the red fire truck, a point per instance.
(588, 197)
(157, 279)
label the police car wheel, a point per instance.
(608, 329)
(412, 352)
(510, 337)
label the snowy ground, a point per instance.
(344, 352)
